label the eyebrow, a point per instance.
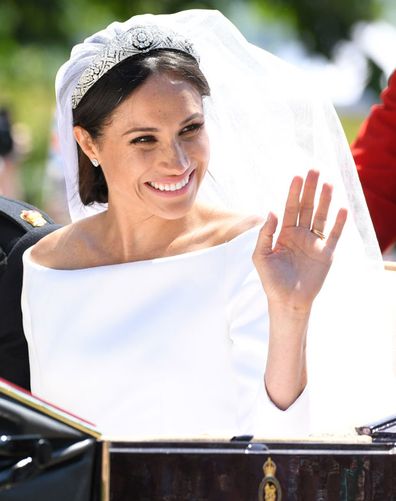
(153, 129)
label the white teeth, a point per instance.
(170, 187)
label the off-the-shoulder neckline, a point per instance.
(184, 255)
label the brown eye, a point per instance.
(192, 128)
(143, 140)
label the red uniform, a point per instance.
(374, 151)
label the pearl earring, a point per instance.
(95, 163)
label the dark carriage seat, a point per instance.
(21, 225)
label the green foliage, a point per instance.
(351, 125)
(321, 23)
(27, 21)
(27, 90)
(62, 22)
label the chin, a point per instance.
(174, 214)
(174, 209)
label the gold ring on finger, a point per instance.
(319, 234)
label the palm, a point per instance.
(294, 269)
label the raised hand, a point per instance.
(293, 270)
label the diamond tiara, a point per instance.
(136, 40)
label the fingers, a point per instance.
(319, 221)
(308, 199)
(301, 212)
(290, 216)
(337, 228)
(266, 235)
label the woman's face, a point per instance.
(155, 151)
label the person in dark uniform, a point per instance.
(21, 225)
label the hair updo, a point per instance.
(100, 101)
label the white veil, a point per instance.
(266, 123)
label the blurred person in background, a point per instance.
(374, 151)
(9, 175)
(55, 200)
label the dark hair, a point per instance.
(95, 108)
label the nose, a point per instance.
(176, 158)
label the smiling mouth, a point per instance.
(170, 186)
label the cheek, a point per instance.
(202, 148)
(126, 161)
(207, 149)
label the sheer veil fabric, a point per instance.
(267, 123)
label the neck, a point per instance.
(137, 236)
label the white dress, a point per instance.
(173, 346)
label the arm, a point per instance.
(374, 153)
(286, 372)
(292, 273)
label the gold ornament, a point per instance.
(269, 489)
(33, 217)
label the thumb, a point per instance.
(266, 235)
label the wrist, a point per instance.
(288, 324)
(290, 309)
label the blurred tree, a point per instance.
(41, 22)
(320, 24)
(31, 22)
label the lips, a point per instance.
(171, 187)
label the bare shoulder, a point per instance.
(64, 248)
(240, 224)
(225, 226)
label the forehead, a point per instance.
(159, 98)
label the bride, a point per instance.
(170, 306)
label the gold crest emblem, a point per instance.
(33, 217)
(270, 489)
